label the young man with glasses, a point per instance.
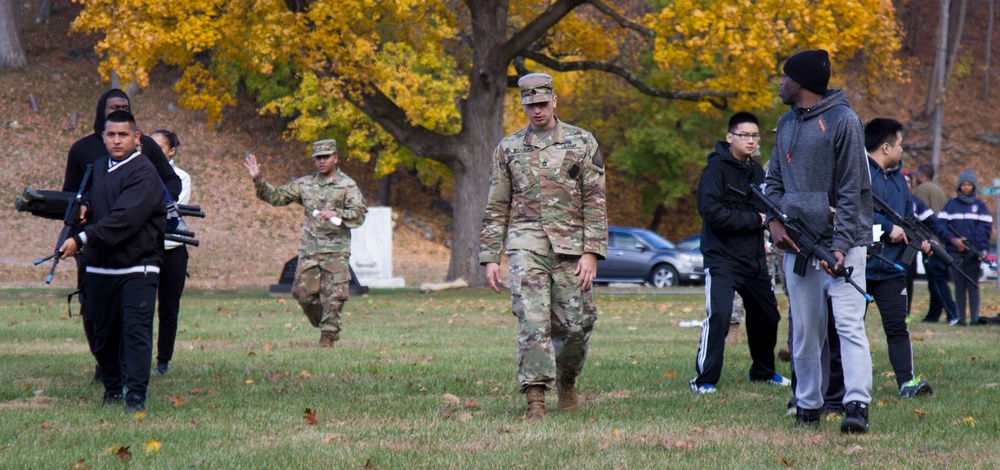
(333, 205)
(732, 241)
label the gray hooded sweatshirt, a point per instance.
(819, 163)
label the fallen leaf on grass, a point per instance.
(854, 449)
(921, 412)
(990, 385)
(152, 446)
(604, 445)
(140, 415)
(80, 465)
(267, 346)
(310, 417)
(916, 338)
(248, 381)
(786, 463)
(271, 378)
(331, 438)
(121, 452)
(305, 375)
(471, 403)
(46, 425)
(670, 374)
(615, 432)
(632, 328)
(449, 398)
(195, 391)
(464, 416)
(368, 465)
(177, 400)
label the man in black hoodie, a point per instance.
(732, 240)
(125, 217)
(85, 152)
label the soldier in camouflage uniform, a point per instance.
(333, 206)
(547, 203)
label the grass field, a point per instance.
(428, 381)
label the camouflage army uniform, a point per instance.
(324, 251)
(547, 202)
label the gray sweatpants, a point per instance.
(806, 296)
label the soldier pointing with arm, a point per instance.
(547, 204)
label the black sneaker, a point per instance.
(855, 419)
(135, 402)
(161, 368)
(834, 408)
(806, 418)
(113, 397)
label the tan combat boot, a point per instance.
(568, 400)
(328, 338)
(535, 395)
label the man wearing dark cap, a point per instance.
(818, 172)
(546, 203)
(333, 205)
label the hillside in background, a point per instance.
(245, 242)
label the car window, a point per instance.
(655, 240)
(623, 240)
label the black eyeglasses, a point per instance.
(748, 137)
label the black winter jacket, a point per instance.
(88, 149)
(732, 235)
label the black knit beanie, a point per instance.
(811, 69)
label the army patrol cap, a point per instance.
(324, 147)
(535, 88)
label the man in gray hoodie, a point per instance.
(818, 172)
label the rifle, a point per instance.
(968, 241)
(916, 234)
(71, 225)
(807, 240)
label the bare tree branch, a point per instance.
(537, 28)
(621, 20)
(421, 140)
(631, 78)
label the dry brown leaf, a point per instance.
(615, 432)
(271, 377)
(195, 391)
(331, 438)
(80, 465)
(786, 463)
(670, 374)
(267, 346)
(449, 398)
(464, 416)
(121, 452)
(310, 417)
(46, 425)
(854, 449)
(921, 412)
(604, 445)
(305, 374)
(177, 400)
(368, 465)
(140, 415)
(471, 403)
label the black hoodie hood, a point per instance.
(99, 117)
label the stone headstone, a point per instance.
(371, 250)
(287, 278)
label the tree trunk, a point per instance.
(11, 51)
(384, 195)
(658, 214)
(44, 11)
(937, 123)
(989, 46)
(482, 129)
(955, 43)
(935, 91)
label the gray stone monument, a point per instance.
(371, 250)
